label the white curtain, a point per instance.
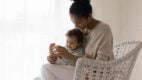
(27, 27)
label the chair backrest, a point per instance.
(118, 69)
(122, 49)
(125, 55)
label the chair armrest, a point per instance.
(89, 69)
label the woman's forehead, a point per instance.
(76, 19)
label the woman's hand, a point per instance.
(52, 58)
(61, 51)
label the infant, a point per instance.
(74, 44)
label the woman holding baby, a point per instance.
(98, 42)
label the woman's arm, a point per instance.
(72, 57)
(63, 52)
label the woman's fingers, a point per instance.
(52, 58)
(51, 61)
(58, 53)
(59, 48)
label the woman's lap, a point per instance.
(57, 72)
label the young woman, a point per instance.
(98, 43)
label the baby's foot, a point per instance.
(51, 47)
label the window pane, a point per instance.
(40, 7)
(1, 11)
(14, 11)
(39, 11)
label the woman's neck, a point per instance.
(92, 23)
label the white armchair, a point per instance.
(118, 69)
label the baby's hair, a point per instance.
(76, 33)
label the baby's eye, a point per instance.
(73, 44)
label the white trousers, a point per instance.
(57, 72)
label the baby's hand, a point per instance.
(51, 47)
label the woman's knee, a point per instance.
(45, 67)
(45, 71)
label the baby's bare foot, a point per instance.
(51, 47)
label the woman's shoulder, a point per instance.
(102, 27)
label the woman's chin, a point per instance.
(81, 28)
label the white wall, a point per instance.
(131, 29)
(109, 12)
(125, 19)
(131, 19)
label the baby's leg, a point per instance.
(51, 47)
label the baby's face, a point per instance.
(72, 43)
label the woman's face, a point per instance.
(71, 42)
(80, 23)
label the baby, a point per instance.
(74, 44)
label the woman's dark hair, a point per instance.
(76, 33)
(81, 8)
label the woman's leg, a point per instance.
(46, 73)
(57, 72)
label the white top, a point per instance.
(100, 43)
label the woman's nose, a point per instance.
(77, 25)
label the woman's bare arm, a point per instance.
(63, 52)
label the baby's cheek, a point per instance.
(74, 46)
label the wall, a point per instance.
(131, 17)
(109, 14)
(131, 29)
(124, 17)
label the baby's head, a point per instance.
(74, 39)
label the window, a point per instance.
(27, 27)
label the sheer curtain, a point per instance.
(27, 27)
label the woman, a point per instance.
(98, 43)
